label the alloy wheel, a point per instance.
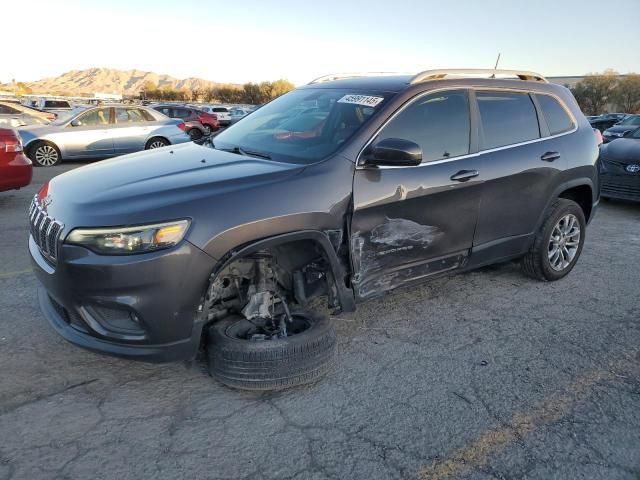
(157, 144)
(564, 242)
(46, 155)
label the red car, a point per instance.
(209, 120)
(198, 123)
(15, 167)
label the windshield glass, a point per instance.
(635, 120)
(303, 126)
(636, 133)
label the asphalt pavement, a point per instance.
(488, 375)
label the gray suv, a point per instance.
(343, 190)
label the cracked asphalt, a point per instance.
(487, 375)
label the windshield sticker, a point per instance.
(366, 100)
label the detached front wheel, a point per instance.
(241, 359)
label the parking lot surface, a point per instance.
(488, 375)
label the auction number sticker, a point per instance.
(366, 100)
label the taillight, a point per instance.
(598, 135)
(11, 145)
(182, 126)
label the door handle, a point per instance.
(550, 156)
(464, 175)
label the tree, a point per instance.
(253, 93)
(198, 94)
(280, 87)
(595, 91)
(627, 93)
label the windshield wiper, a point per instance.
(249, 153)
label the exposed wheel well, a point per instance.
(583, 196)
(296, 269)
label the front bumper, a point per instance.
(616, 182)
(142, 307)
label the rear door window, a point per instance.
(556, 116)
(507, 118)
(181, 113)
(439, 123)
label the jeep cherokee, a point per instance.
(344, 189)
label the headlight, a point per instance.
(129, 240)
(616, 134)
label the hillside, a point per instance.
(109, 80)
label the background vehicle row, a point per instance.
(101, 132)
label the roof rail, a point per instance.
(472, 72)
(342, 76)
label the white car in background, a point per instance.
(223, 114)
(55, 106)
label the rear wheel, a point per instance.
(156, 142)
(207, 130)
(242, 356)
(558, 243)
(45, 154)
(195, 134)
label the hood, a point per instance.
(157, 185)
(622, 149)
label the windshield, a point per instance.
(303, 126)
(635, 120)
(636, 133)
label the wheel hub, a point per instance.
(564, 242)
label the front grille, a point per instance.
(45, 231)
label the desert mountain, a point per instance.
(109, 80)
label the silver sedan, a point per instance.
(101, 132)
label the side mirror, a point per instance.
(627, 133)
(393, 152)
(75, 123)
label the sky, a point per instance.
(246, 40)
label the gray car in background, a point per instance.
(101, 132)
(13, 115)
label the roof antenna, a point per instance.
(496, 67)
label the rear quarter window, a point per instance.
(507, 118)
(557, 118)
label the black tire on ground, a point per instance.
(156, 142)
(195, 134)
(536, 263)
(44, 154)
(270, 364)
